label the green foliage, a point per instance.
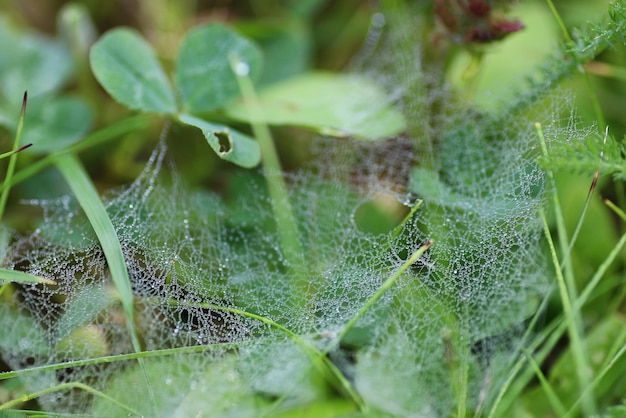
(587, 43)
(42, 66)
(203, 67)
(403, 276)
(310, 100)
(596, 152)
(128, 69)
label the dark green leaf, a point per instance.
(332, 104)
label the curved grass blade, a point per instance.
(86, 194)
(13, 159)
(16, 276)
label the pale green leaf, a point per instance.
(227, 143)
(333, 104)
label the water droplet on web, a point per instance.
(168, 380)
(25, 344)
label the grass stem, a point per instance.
(567, 284)
(281, 205)
(13, 158)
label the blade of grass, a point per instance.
(555, 402)
(553, 332)
(61, 387)
(518, 361)
(616, 209)
(379, 293)
(13, 159)
(592, 188)
(281, 205)
(596, 380)
(88, 198)
(567, 284)
(20, 149)
(17, 276)
(111, 132)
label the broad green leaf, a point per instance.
(203, 72)
(333, 104)
(53, 123)
(227, 143)
(184, 386)
(83, 308)
(126, 66)
(287, 47)
(23, 337)
(31, 62)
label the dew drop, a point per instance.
(242, 69)
(378, 20)
(168, 380)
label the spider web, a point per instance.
(212, 286)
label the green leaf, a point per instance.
(53, 123)
(126, 66)
(287, 47)
(31, 62)
(333, 104)
(227, 143)
(203, 72)
(184, 386)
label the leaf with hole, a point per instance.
(126, 66)
(227, 143)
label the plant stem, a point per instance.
(86, 194)
(281, 205)
(592, 95)
(13, 159)
(379, 293)
(567, 285)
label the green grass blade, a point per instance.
(13, 159)
(86, 194)
(567, 284)
(62, 387)
(16, 276)
(116, 130)
(555, 402)
(379, 293)
(281, 204)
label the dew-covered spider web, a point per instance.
(230, 329)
